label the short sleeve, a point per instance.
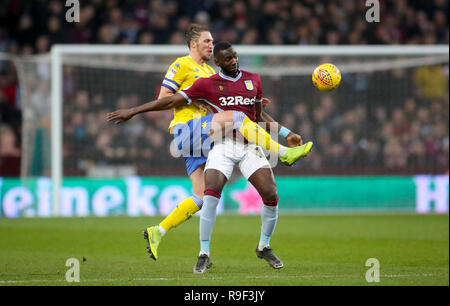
(198, 90)
(174, 76)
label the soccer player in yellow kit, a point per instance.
(183, 72)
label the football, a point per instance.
(326, 77)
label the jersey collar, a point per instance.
(223, 76)
(203, 66)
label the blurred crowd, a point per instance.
(10, 121)
(33, 26)
(408, 133)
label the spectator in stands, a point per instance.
(431, 82)
(9, 152)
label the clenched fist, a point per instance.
(294, 140)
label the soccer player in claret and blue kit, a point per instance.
(235, 98)
(239, 91)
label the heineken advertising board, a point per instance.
(137, 196)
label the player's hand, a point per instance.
(265, 102)
(294, 140)
(120, 115)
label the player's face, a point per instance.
(227, 60)
(204, 45)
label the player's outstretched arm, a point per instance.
(165, 103)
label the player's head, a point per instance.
(226, 58)
(200, 41)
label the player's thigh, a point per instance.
(223, 117)
(220, 159)
(252, 158)
(264, 182)
(191, 139)
(215, 180)
(182, 139)
(256, 169)
(221, 123)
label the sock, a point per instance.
(255, 134)
(264, 241)
(182, 212)
(204, 247)
(208, 218)
(269, 217)
(162, 230)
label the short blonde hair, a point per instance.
(193, 33)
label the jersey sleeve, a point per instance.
(198, 90)
(259, 91)
(174, 76)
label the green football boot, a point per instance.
(295, 153)
(153, 236)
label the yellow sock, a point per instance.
(181, 213)
(254, 133)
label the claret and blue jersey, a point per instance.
(222, 93)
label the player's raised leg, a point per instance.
(225, 121)
(183, 211)
(264, 182)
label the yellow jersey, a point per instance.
(182, 73)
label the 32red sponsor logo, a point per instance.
(237, 100)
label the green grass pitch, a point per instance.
(316, 250)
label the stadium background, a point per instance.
(381, 138)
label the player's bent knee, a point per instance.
(215, 180)
(270, 195)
